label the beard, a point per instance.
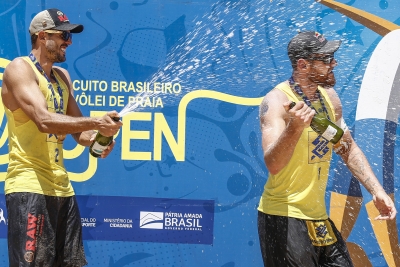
(324, 80)
(54, 54)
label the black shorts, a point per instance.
(44, 231)
(285, 242)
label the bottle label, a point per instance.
(329, 133)
(97, 148)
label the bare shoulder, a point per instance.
(273, 101)
(19, 82)
(272, 111)
(15, 70)
(16, 62)
(61, 70)
(17, 67)
(337, 104)
(63, 73)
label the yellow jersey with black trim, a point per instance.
(298, 190)
(36, 163)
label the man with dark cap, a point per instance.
(44, 225)
(293, 225)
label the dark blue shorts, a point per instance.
(286, 242)
(44, 231)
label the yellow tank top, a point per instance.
(298, 190)
(36, 161)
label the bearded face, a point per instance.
(55, 52)
(321, 71)
(322, 78)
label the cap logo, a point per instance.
(320, 37)
(29, 256)
(62, 17)
(44, 24)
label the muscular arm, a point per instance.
(21, 90)
(73, 110)
(280, 129)
(351, 154)
(360, 168)
(358, 165)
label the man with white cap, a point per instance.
(293, 225)
(44, 225)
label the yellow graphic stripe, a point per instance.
(3, 158)
(344, 211)
(386, 234)
(3, 63)
(372, 22)
(208, 94)
(92, 165)
(91, 169)
(86, 175)
(77, 151)
(4, 134)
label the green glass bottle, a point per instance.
(100, 143)
(324, 127)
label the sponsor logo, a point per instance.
(34, 229)
(174, 221)
(151, 220)
(320, 147)
(171, 221)
(321, 230)
(321, 233)
(28, 256)
(320, 37)
(2, 219)
(62, 17)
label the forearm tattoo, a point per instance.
(358, 168)
(356, 165)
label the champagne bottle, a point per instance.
(100, 143)
(324, 127)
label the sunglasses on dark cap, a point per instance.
(64, 34)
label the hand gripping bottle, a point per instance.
(100, 143)
(324, 127)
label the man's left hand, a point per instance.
(385, 206)
(108, 150)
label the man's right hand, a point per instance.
(108, 126)
(300, 115)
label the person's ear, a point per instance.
(41, 36)
(302, 64)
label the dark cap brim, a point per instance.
(73, 28)
(329, 48)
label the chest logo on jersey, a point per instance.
(318, 148)
(55, 138)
